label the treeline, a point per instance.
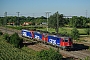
(75, 21)
(20, 20)
(79, 22)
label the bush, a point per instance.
(16, 40)
(1, 33)
(75, 33)
(64, 34)
(49, 55)
(6, 37)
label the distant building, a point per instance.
(26, 23)
(67, 16)
(44, 23)
(12, 23)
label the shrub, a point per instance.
(49, 55)
(1, 33)
(75, 33)
(6, 37)
(16, 40)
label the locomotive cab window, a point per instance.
(65, 40)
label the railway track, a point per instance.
(38, 47)
(81, 54)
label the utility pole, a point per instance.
(57, 28)
(5, 15)
(57, 23)
(18, 18)
(47, 15)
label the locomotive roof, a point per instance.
(50, 34)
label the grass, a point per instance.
(65, 29)
(9, 52)
(24, 27)
(82, 31)
(85, 37)
(61, 29)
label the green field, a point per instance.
(65, 29)
(61, 29)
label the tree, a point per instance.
(49, 55)
(1, 21)
(73, 21)
(53, 20)
(66, 20)
(75, 33)
(39, 20)
(78, 22)
(16, 40)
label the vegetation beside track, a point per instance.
(10, 52)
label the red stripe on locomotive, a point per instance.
(32, 33)
(45, 37)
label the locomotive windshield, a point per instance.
(65, 40)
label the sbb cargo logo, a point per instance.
(52, 41)
(37, 37)
(24, 34)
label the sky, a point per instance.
(39, 7)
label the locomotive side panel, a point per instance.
(37, 36)
(54, 40)
(24, 33)
(29, 34)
